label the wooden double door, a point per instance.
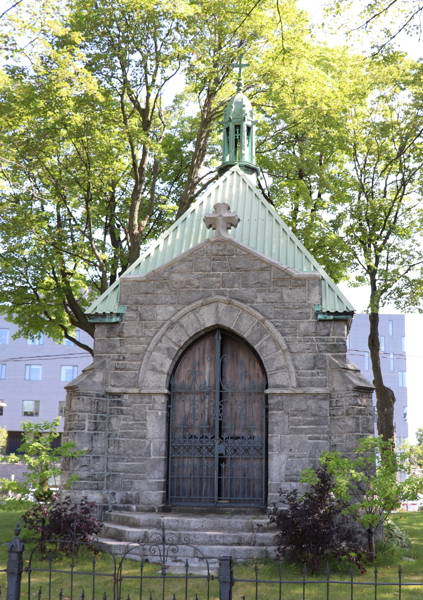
(218, 425)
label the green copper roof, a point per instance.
(261, 228)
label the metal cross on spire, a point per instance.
(240, 66)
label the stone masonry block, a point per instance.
(231, 280)
(124, 379)
(191, 323)
(156, 468)
(207, 315)
(159, 362)
(186, 297)
(182, 266)
(202, 264)
(257, 334)
(183, 281)
(313, 291)
(274, 362)
(278, 423)
(156, 425)
(279, 379)
(293, 314)
(154, 380)
(139, 412)
(243, 295)
(137, 467)
(220, 249)
(177, 334)
(226, 315)
(220, 266)
(294, 296)
(277, 467)
(256, 279)
(304, 362)
(241, 263)
(163, 313)
(345, 424)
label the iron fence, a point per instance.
(160, 561)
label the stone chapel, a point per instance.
(220, 368)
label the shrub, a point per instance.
(395, 535)
(63, 522)
(313, 526)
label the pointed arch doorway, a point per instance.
(218, 425)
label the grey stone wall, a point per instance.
(117, 408)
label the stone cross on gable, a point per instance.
(221, 219)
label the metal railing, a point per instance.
(161, 552)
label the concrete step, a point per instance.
(189, 523)
(197, 538)
(136, 552)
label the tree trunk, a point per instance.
(198, 156)
(371, 541)
(385, 397)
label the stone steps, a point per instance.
(244, 537)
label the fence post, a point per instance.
(15, 566)
(225, 578)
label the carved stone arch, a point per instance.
(190, 322)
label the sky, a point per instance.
(359, 296)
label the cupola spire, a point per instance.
(239, 130)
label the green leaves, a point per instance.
(43, 463)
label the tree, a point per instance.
(90, 169)
(389, 18)
(419, 436)
(371, 486)
(358, 194)
(42, 462)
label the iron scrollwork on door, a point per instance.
(217, 425)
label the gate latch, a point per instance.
(221, 448)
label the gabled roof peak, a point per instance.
(260, 228)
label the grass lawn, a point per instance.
(386, 563)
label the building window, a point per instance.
(36, 341)
(62, 405)
(405, 413)
(1, 410)
(31, 408)
(67, 342)
(382, 343)
(403, 343)
(4, 336)
(68, 373)
(391, 327)
(33, 372)
(402, 379)
(391, 361)
(366, 361)
(3, 370)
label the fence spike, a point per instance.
(129, 597)
(196, 597)
(83, 595)
(39, 593)
(104, 596)
(174, 597)
(61, 594)
(150, 596)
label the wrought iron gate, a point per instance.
(217, 425)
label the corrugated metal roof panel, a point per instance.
(260, 228)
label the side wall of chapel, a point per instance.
(117, 409)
